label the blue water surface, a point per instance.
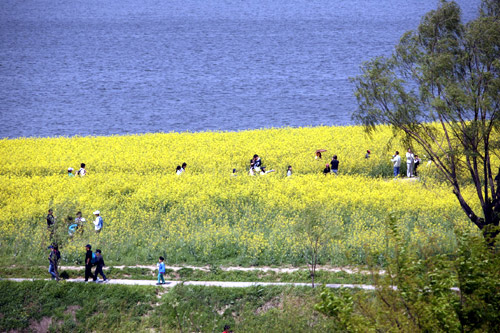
(121, 66)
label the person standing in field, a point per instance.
(289, 171)
(54, 257)
(99, 262)
(80, 221)
(51, 219)
(409, 163)
(82, 172)
(368, 154)
(161, 271)
(178, 170)
(396, 159)
(70, 172)
(88, 263)
(98, 222)
(183, 167)
(416, 164)
(335, 165)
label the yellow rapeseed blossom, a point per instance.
(207, 215)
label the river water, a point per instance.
(120, 66)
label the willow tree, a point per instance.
(441, 89)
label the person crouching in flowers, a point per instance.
(161, 271)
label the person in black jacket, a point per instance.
(99, 265)
(335, 165)
(326, 171)
(51, 220)
(88, 263)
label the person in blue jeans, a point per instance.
(161, 271)
(396, 159)
(53, 261)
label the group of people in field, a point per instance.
(81, 172)
(412, 163)
(76, 225)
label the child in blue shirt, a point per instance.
(161, 271)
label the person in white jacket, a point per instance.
(409, 163)
(98, 223)
(396, 159)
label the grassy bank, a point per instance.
(62, 307)
(207, 216)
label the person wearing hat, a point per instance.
(53, 260)
(70, 172)
(88, 263)
(98, 222)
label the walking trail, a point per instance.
(223, 284)
(348, 270)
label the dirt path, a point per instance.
(348, 270)
(221, 284)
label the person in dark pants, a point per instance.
(53, 260)
(99, 265)
(88, 263)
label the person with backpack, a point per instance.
(98, 222)
(54, 257)
(99, 263)
(89, 257)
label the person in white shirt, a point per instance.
(409, 163)
(98, 222)
(178, 170)
(82, 172)
(396, 159)
(289, 171)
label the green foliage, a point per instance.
(96, 308)
(421, 294)
(76, 307)
(441, 90)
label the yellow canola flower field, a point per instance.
(206, 215)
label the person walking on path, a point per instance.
(99, 262)
(70, 172)
(161, 271)
(335, 165)
(88, 263)
(409, 163)
(82, 172)
(396, 159)
(54, 257)
(98, 222)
